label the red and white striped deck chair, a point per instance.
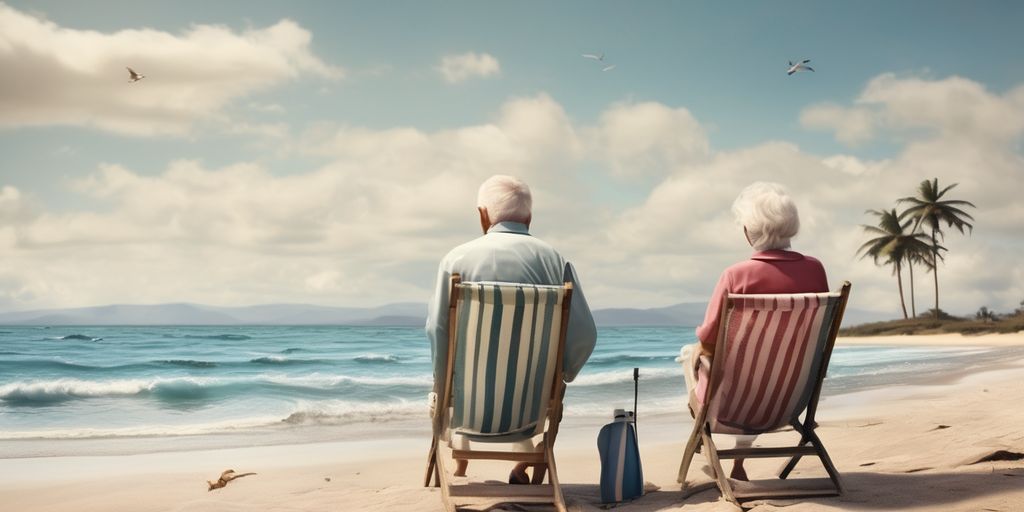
(770, 360)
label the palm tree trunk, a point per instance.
(913, 307)
(935, 271)
(899, 282)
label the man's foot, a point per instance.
(518, 475)
(738, 473)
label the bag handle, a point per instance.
(636, 394)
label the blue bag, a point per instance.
(622, 477)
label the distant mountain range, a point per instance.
(407, 313)
(399, 314)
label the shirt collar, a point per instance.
(777, 255)
(510, 227)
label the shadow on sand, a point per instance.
(864, 491)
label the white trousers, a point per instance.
(689, 356)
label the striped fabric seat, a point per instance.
(766, 373)
(505, 350)
(774, 347)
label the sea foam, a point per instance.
(626, 375)
(42, 391)
(342, 412)
(376, 358)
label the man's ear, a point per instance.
(485, 219)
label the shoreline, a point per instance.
(898, 446)
(936, 340)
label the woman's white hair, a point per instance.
(506, 198)
(768, 214)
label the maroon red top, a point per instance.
(773, 271)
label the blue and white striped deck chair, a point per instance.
(503, 386)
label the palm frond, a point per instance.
(947, 189)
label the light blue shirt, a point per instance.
(508, 253)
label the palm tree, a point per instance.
(893, 245)
(918, 254)
(929, 209)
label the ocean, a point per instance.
(275, 384)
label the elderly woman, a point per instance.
(769, 219)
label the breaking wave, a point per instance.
(626, 359)
(347, 412)
(626, 375)
(44, 392)
(376, 358)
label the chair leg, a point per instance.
(793, 461)
(691, 448)
(431, 463)
(807, 435)
(804, 439)
(559, 499)
(549, 441)
(826, 461)
(716, 465)
(446, 485)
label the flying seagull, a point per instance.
(133, 76)
(599, 59)
(800, 66)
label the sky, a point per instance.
(329, 152)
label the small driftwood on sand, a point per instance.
(225, 477)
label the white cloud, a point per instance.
(649, 138)
(685, 229)
(679, 238)
(55, 75)
(852, 126)
(263, 130)
(266, 108)
(458, 68)
(370, 225)
(13, 206)
(951, 108)
(855, 166)
(527, 137)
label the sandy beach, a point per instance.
(904, 447)
(937, 340)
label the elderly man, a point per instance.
(508, 253)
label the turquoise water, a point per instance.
(110, 382)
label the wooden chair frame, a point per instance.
(542, 460)
(810, 444)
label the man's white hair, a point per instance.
(506, 198)
(769, 215)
